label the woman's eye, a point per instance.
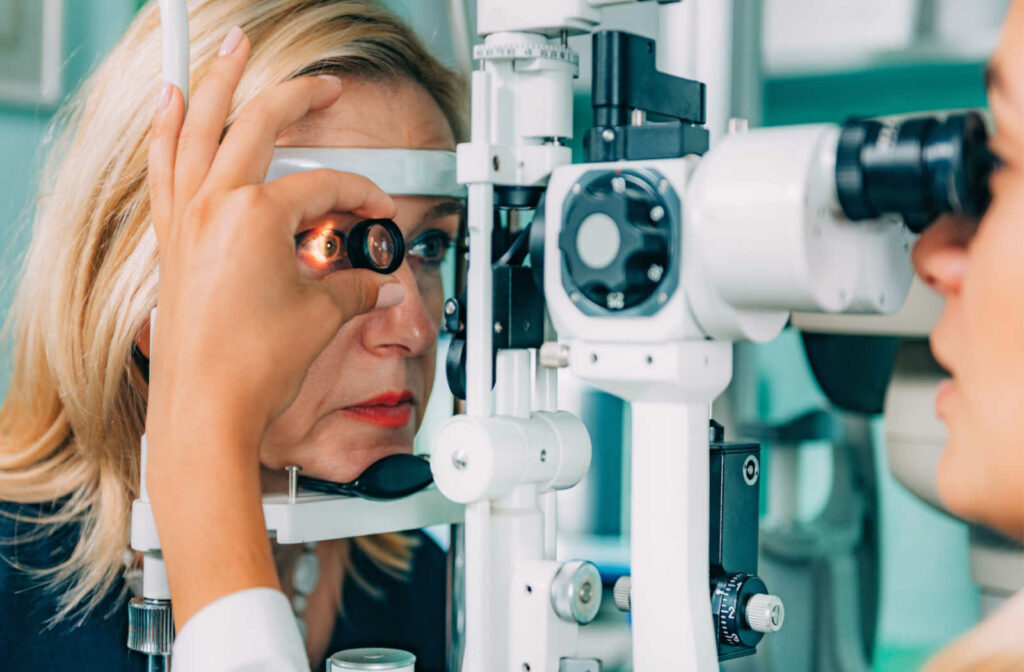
(430, 248)
(321, 248)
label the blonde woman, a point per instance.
(979, 268)
(253, 365)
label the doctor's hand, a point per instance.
(238, 323)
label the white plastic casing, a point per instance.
(476, 458)
(672, 323)
(763, 235)
(548, 17)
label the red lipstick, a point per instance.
(391, 409)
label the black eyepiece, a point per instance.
(376, 244)
(917, 167)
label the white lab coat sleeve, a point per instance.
(253, 630)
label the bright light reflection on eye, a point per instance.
(321, 247)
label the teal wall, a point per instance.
(90, 29)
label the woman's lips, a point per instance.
(942, 394)
(391, 409)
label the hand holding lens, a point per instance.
(374, 244)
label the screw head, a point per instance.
(586, 592)
(657, 213)
(449, 307)
(655, 273)
(460, 459)
(608, 135)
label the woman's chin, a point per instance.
(346, 465)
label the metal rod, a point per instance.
(158, 663)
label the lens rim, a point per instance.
(359, 245)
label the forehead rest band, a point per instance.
(398, 172)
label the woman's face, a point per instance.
(364, 396)
(979, 268)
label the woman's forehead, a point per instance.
(387, 113)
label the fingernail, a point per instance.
(231, 41)
(165, 95)
(330, 78)
(390, 295)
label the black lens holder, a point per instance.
(360, 245)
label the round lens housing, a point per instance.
(376, 244)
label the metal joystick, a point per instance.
(765, 613)
(576, 592)
(151, 631)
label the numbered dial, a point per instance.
(729, 607)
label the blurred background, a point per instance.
(794, 61)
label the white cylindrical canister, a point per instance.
(375, 659)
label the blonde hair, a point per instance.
(72, 420)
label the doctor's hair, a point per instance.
(75, 411)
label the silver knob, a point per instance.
(576, 592)
(150, 626)
(621, 593)
(765, 613)
(554, 355)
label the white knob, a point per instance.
(765, 613)
(622, 594)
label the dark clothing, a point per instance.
(407, 615)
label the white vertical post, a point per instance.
(480, 213)
(671, 603)
(175, 44)
(695, 40)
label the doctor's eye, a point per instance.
(430, 248)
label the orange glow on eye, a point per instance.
(322, 247)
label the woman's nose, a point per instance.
(408, 328)
(940, 255)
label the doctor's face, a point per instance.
(979, 268)
(364, 396)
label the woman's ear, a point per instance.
(142, 339)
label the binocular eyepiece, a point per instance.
(917, 167)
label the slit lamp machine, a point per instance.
(638, 271)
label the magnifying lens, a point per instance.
(374, 244)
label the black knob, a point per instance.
(617, 238)
(728, 607)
